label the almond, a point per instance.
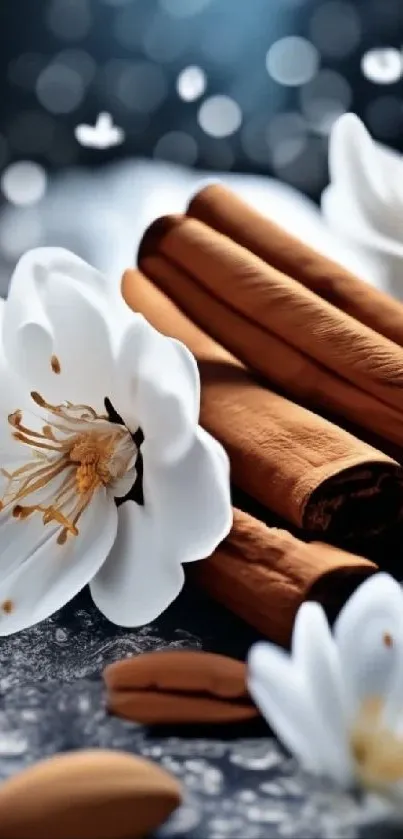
(179, 686)
(92, 794)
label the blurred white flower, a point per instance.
(336, 701)
(103, 135)
(363, 205)
(93, 398)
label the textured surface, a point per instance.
(241, 787)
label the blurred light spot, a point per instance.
(191, 83)
(60, 89)
(103, 135)
(24, 70)
(32, 132)
(382, 66)
(336, 28)
(69, 20)
(286, 138)
(19, 232)
(141, 87)
(220, 116)
(184, 8)
(384, 116)
(24, 183)
(162, 41)
(307, 170)
(292, 61)
(324, 99)
(130, 27)
(177, 147)
(79, 61)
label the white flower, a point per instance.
(337, 701)
(73, 358)
(363, 204)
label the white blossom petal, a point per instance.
(140, 577)
(315, 654)
(44, 575)
(122, 486)
(190, 497)
(366, 633)
(158, 389)
(58, 313)
(280, 692)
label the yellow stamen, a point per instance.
(91, 452)
(377, 751)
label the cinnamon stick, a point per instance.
(307, 470)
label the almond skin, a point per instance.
(94, 794)
(179, 686)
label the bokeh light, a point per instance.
(324, 99)
(382, 66)
(191, 83)
(220, 116)
(104, 134)
(214, 84)
(60, 89)
(335, 28)
(69, 21)
(80, 61)
(184, 8)
(140, 86)
(292, 61)
(286, 137)
(178, 147)
(24, 183)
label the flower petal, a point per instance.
(365, 633)
(59, 324)
(158, 389)
(140, 577)
(190, 497)
(315, 655)
(279, 690)
(38, 576)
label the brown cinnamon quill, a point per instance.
(307, 470)
(225, 212)
(300, 342)
(263, 574)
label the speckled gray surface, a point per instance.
(239, 783)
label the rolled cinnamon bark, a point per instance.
(297, 375)
(307, 470)
(225, 212)
(263, 574)
(280, 305)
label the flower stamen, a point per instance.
(91, 451)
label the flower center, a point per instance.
(377, 751)
(75, 453)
